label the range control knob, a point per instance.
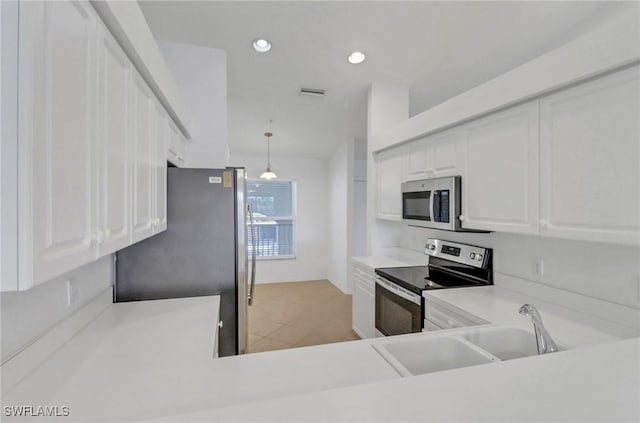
(479, 257)
(472, 256)
(431, 247)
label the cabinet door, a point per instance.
(432, 157)
(161, 170)
(500, 185)
(590, 143)
(143, 157)
(389, 190)
(418, 164)
(175, 148)
(114, 72)
(363, 304)
(182, 149)
(443, 149)
(57, 135)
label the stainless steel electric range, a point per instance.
(399, 305)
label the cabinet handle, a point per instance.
(99, 237)
(220, 324)
(461, 218)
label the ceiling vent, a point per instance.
(312, 92)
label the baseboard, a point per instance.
(32, 356)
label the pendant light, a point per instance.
(268, 174)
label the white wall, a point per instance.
(359, 242)
(387, 105)
(27, 315)
(311, 225)
(341, 185)
(201, 75)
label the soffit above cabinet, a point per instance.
(610, 47)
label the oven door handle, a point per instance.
(398, 290)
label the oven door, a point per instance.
(398, 311)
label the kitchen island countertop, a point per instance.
(151, 361)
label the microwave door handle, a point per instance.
(435, 206)
(431, 213)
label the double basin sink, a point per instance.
(461, 348)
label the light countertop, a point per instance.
(500, 305)
(598, 383)
(148, 359)
(151, 361)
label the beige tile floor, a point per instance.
(298, 314)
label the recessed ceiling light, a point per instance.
(356, 57)
(261, 45)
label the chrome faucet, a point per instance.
(543, 340)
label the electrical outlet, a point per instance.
(71, 293)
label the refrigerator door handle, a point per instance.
(253, 255)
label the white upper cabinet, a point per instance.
(433, 156)
(56, 147)
(176, 146)
(160, 170)
(389, 184)
(500, 183)
(91, 143)
(114, 76)
(444, 150)
(418, 163)
(590, 160)
(143, 159)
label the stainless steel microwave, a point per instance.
(432, 203)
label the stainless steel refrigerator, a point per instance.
(202, 252)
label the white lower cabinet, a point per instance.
(440, 315)
(590, 160)
(389, 184)
(500, 180)
(363, 301)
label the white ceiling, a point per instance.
(438, 49)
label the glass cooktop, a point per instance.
(419, 278)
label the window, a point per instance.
(272, 203)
